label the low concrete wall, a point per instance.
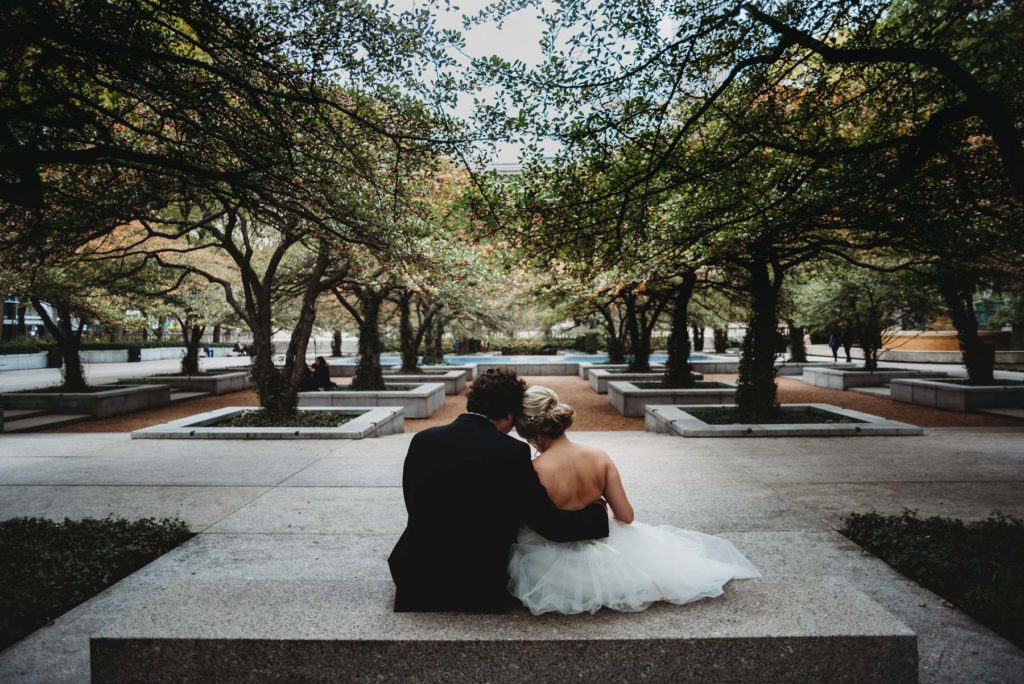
(368, 422)
(104, 356)
(844, 379)
(13, 362)
(587, 366)
(109, 402)
(674, 420)
(215, 383)
(716, 367)
(912, 356)
(599, 378)
(454, 381)
(957, 396)
(631, 401)
(539, 368)
(420, 402)
(790, 368)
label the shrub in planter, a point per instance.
(976, 566)
(47, 567)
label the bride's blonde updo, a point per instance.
(543, 414)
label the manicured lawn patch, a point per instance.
(47, 568)
(731, 416)
(260, 418)
(976, 566)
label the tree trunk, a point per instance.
(21, 330)
(614, 343)
(216, 334)
(979, 356)
(160, 328)
(678, 372)
(698, 338)
(336, 343)
(192, 335)
(797, 349)
(433, 350)
(69, 342)
(270, 381)
(408, 342)
(756, 393)
(640, 344)
(369, 375)
(721, 336)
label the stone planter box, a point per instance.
(114, 401)
(13, 362)
(214, 383)
(599, 378)
(348, 370)
(957, 395)
(631, 401)
(674, 420)
(789, 368)
(716, 367)
(419, 402)
(844, 379)
(454, 381)
(535, 368)
(587, 366)
(368, 422)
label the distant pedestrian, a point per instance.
(833, 344)
(847, 341)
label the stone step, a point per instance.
(884, 391)
(1017, 413)
(319, 630)
(184, 396)
(42, 422)
(21, 414)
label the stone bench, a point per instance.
(286, 629)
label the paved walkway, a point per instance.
(289, 530)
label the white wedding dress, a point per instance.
(632, 568)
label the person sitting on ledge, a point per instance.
(320, 375)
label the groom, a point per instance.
(468, 487)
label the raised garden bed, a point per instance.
(976, 566)
(789, 368)
(845, 378)
(29, 361)
(355, 423)
(50, 567)
(631, 400)
(419, 402)
(809, 420)
(454, 381)
(585, 367)
(212, 382)
(955, 394)
(716, 367)
(599, 377)
(99, 401)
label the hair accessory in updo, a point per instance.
(543, 414)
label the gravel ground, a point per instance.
(593, 412)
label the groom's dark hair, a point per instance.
(496, 393)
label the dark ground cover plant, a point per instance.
(260, 418)
(976, 566)
(733, 416)
(48, 568)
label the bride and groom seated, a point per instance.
(488, 527)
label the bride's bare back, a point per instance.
(576, 475)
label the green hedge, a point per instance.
(976, 566)
(31, 347)
(48, 568)
(21, 345)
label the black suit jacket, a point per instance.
(468, 488)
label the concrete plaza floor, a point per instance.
(288, 528)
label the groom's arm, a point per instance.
(544, 518)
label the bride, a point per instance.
(636, 565)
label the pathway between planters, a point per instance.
(593, 412)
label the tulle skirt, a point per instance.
(632, 568)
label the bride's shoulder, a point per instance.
(593, 453)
